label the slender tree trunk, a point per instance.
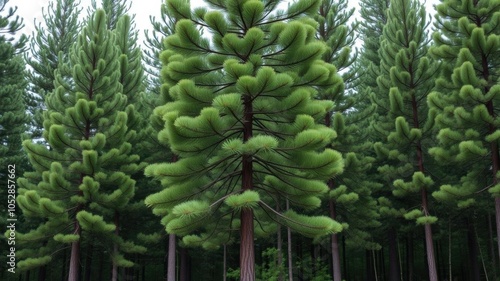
(63, 271)
(344, 258)
(369, 268)
(171, 257)
(450, 276)
(492, 248)
(224, 264)
(279, 245)
(114, 269)
(88, 262)
(337, 275)
(184, 265)
(42, 272)
(101, 267)
(409, 257)
(289, 249)
(74, 262)
(393, 255)
(475, 272)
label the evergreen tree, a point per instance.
(12, 125)
(347, 188)
(10, 26)
(244, 123)
(49, 47)
(83, 177)
(114, 10)
(407, 77)
(466, 102)
(154, 45)
(374, 17)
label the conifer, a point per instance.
(350, 188)
(83, 175)
(244, 123)
(406, 79)
(49, 46)
(114, 10)
(466, 102)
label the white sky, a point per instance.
(31, 11)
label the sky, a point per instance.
(31, 11)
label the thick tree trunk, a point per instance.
(171, 257)
(394, 273)
(74, 262)
(247, 252)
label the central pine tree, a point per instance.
(244, 122)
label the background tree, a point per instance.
(114, 10)
(407, 77)
(466, 100)
(233, 157)
(88, 160)
(49, 46)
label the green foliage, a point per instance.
(49, 47)
(83, 177)
(466, 99)
(249, 113)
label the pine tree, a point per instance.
(466, 102)
(84, 174)
(9, 26)
(374, 17)
(13, 119)
(49, 46)
(407, 77)
(154, 45)
(347, 188)
(114, 10)
(244, 122)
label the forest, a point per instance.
(251, 140)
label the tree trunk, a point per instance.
(279, 245)
(394, 273)
(247, 254)
(475, 272)
(289, 249)
(337, 275)
(409, 257)
(63, 271)
(184, 265)
(88, 262)
(74, 262)
(114, 269)
(369, 268)
(224, 264)
(492, 248)
(171, 258)
(42, 272)
(429, 246)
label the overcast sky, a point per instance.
(31, 11)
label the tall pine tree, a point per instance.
(467, 102)
(244, 122)
(84, 173)
(49, 47)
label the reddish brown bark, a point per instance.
(247, 254)
(337, 274)
(74, 262)
(171, 258)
